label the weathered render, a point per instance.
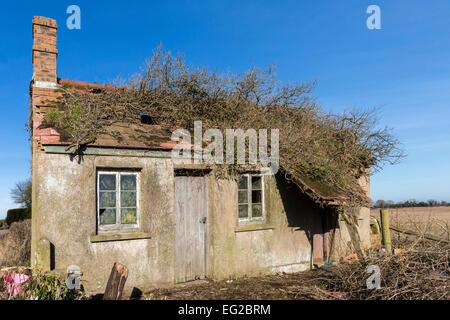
(295, 233)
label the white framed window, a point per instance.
(251, 198)
(118, 195)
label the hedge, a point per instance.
(19, 214)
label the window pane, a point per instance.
(243, 196)
(243, 182)
(128, 216)
(107, 182)
(107, 216)
(256, 183)
(128, 199)
(256, 196)
(127, 182)
(243, 211)
(107, 199)
(256, 210)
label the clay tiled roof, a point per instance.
(137, 136)
(130, 136)
(127, 136)
(83, 84)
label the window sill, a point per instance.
(254, 227)
(104, 237)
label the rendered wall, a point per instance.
(282, 244)
(64, 213)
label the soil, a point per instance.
(281, 286)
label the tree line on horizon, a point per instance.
(410, 203)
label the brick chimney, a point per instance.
(44, 52)
(44, 76)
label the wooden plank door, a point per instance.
(325, 222)
(318, 238)
(191, 215)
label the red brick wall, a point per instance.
(44, 136)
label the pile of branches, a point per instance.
(419, 272)
(332, 149)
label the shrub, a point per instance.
(48, 287)
(15, 246)
(42, 286)
(19, 214)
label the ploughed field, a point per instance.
(428, 220)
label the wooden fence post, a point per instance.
(384, 214)
(116, 282)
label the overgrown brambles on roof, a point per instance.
(324, 154)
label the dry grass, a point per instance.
(15, 246)
(419, 272)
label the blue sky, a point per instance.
(404, 68)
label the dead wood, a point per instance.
(116, 282)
